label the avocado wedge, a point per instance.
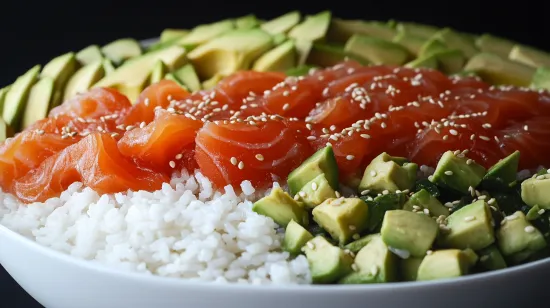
(187, 76)
(3, 93)
(40, 99)
(83, 79)
(172, 34)
(282, 24)
(122, 50)
(89, 55)
(16, 98)
(5, 131)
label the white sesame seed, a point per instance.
(337, 193)
(241, 165)
(233, 161)
(427, 211)
(314, 186)
(373, 173)
(484, 138)
(259, 157)
(429, 252)
(286, 106)
(529, 229)
(365, 136)
(469, 218)
(350, 157)
(526, 128)
(365, 192)
(448, 172)
(453, 132)
(172, 164)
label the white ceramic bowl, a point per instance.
(57, 280)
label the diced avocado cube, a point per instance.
(247, 22)
(536, 191)
(441, 264)
(534, 213)
(541, 79)
(451, 61)
(322, 162)
(374, 263)
(158, 72)
(529, 56)
(469, 227)
(282, 24)
(316, 192)
(38, 104)
(517, 239)
(491, 259)
(505, 170)
(357, 245)
(232, 51)
(376, 51)
(379, 205)
(431, 47)
(409, 231)
(295, 238)
(313, 28)
(495, 45)
(471, 255)
(281, 208)
(278, 59)
(427, 62)
(187, 76)
(424, 200)
(500, 71)
(416, 29)
(458, 173)
(342, 30)
(16, 98)
(342, 218)
(409, 268)
(384, 173)
(169, 34)
(122, 50)
(411, 42)
(327, 263)
(204, 33)
(455, 40)
(89, 55)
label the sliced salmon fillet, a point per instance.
(262, 153)
(162, 143)
(96, 162)
(94, 104)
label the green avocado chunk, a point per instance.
(60, 69)
(416, 29)
(376, 51)
(325, 55)
(122, 50)
(38, 104)
(205, 33)
(342, 30)
(389, 173)
(187, 76)
(327, 263)
(442, 264)
(313, 28)
(541, 79)
(469, 227)
(500, 71)
(171, 34)
(380, 205)
(295, 238)
(495, 45)
(451, 61)
(278, 59)
(15, 101)
(423, 200)
(247, 22)
(505, 170)
(279, 206)
(3, 93)
(84, 79)
(159, 71)
(342, 218)
(517, 239)
(357, 245)
(458, 173)
(409, 41)
(374, 263)
(455, 40)
(89, 55)
(536, 191)
(432, 46)
(529, 56)
(282, 24)
(491, 259)
(316, 192)
(427, 62)
(410, 232)
(322, 162)
(408, 268)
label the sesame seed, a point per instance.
(172, 164)
(529, 229)
(427, 211)
(491, 201)
(179, 156)
(337, 193)
(383, 125)
(373, 173)
(429, 252)
(314, 186)
(311, 138)
(448, 172)
(484, 258)
(233, 161)
(453, 132)
(472, 137)
(114, 135)
(385, 192)
(484, 138)
(365, 136)
(540, 177)
(259, 157)
(541, 211)
(302, 194)
(469, 218)
(469, 161)
(350, 157)
(365, 192)
(310, 245)
(286, 106)
(526, 128)
(241, 165)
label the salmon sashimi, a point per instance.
(96, 162)
(162, 143)
(259, 126)
(229, 153)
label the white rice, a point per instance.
(184, 230)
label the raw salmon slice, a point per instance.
(96, 162)
(94, 104)
(162, 143)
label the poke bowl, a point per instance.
(304, 161)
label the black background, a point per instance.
(33, 33)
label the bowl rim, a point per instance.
(273, 288)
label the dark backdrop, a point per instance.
(34, 33)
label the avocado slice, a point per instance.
(518, 239)
(459, 41)
(84, 79)
(212, 82)
(397, 228)
(132, 77)
(496, 70)
(187, 76)
(541, 79)
(458, 173)
(495, 45)
(426, 62)
(247, 22)
(376, 50)
(342, 218)
(529, 56)
(451, 61)
(278, 59)
(389, 173)
(424, 200)
(327, 263)
(536, 191)
(60, 69)
(282, 24)
(325, 55)
(169, 34)
(122, 50)
(16, 98)
(374, 263)
(408, 268)
(322, 162)
(432, 46)
(357, 245)
(230, 52)
(280, 207)
(505, 170)
(313, 28)
(441, 264)
(158, 72)
(38, 104)
(278, 39)
(295, 238)
(341, 30)
(316, 192)
(171, 76)
(108, 66)
(204, 33)
(416, 29)
(410, 42)
(469, 227)
(491, 259)
(89, 55)
(303, 48)
(3, 93)
(5, 131)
